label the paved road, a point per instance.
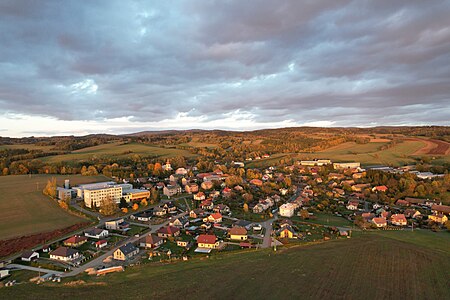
(22, 267)
(267, 242)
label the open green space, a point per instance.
(118, 150)
(370, 153)
(327, 220)
(25, 210)
(369, 266)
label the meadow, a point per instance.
(367, 266)
(117, 150)
(370, 153)
(25, 210)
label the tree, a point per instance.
(144, 202)
(123, 203)
(108, 206)
(5, 171)
(304, 214)
(245, 207)
(154, 196)
(50, 188)
(125, 210)
(135, 206)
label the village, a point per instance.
(198, 215)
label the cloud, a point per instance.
(208, 63)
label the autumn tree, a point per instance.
(108, 206)
(245, 207)
(304, 214)
(135, 206)
(154, 196)
(144, 202)
(50, 188)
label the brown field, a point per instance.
(24, 210)
(432, 147)
(368, 266)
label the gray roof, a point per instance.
(127, 248)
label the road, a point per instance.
(22, 267)
(267, 242)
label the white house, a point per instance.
(96, 233)
(287, 210)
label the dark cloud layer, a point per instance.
(355, 62)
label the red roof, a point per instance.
(398, 217)
(75, 239)
(381, 188)
(206, 239)
(101, 242)
(168, 230)
(216, 216)
(379, 220)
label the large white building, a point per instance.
(287, 210)
(93, 197)
(349, 165)
(318, 162)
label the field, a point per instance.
(368, 266)
(370, 153)
(117, 150)
(327, 220)
(25, 210)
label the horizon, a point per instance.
(162, 131)
(130, 66)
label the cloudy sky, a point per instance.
(79, 67)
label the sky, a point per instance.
(81, 67)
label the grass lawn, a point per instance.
(117, 150)
(25, 210)
(326, 219)
(364, 267)
(21, 276)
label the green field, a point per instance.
(369, 154)
(26, 146)
(117, 150)
(368, 266)
(25, 210)
(327, 220)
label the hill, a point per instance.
(368, 266)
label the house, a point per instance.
(238, 233)
(168, 231)
(159, 211)
(64, 254)
(207, 241)
(286, 222)
(46, 248)
(411, 213)
(221, 208)
(207, 204)
(75, 241)
(438, 218)
(185, 244)
(360, 187)
(440, 209)
(380, 188)
(368, 216)
(96, 233)
(256, 182)
(29, 256)
(287, 210)
(143, 216)
(181, 171)
(125, 252)
(191, 188)
(207, 185)
(118, 224)
(171, 190)
(398, 219)
(352, 205)
(196, 213)
(181, 222)
(151, 241)
(401, 202)
(286, 232)
(170, 207)
(200, 196)
(243, 223)
(379, 222)
(226, 192)
(101, 244)
(214, 218)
